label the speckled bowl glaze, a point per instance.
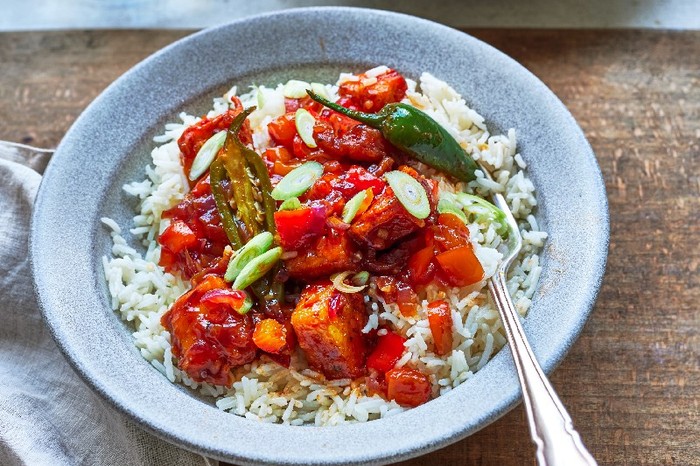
(110, 144)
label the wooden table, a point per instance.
(632, 381)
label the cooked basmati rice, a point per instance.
(141, 291)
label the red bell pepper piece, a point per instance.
(283, 129)
(408, 387)
(371, 95)
(233, 298)
(440, 320)
(461, 266)
(177, 236)
(420, 266)
(388, 350)
(270, 336)
(406, 299)
(297, 228)
(357, 179)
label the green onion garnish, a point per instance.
(257, 268)
(297, 181)
(482, 211)
(206, 155)
(305, 122)
(353, 205)
(319, 89)
(360, 278)
(448, 205)
(295, 89)
(292, 203)
(252, 249)
(410, 193)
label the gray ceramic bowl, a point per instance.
(109, 145)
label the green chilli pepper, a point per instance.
(233, 159)
(217, 173)
(235, 152)
(257, 268)
(238, 160)
(260, 171)
(415, 133)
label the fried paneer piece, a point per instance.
(385, 222)
(208, 338)
(331, 253)
(328, 325)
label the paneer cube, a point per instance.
(332, 253)
(328, 325)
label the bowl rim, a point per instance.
(448, 431)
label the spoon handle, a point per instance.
(551, 428)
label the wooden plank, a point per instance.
(631, 381)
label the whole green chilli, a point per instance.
(416, 134)
(238, 161)
(234, 161)
(217, 173)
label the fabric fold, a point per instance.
(48, 416)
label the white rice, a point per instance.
(142, 291)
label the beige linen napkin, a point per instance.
(48, 416)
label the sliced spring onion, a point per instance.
(339, 283)
(295, 89)
(482, 211)
(259, 93)
(448, 205)
(252, 249)
(360, 278)
(206, 155)
(297, 181)
(305, 122)
(357, 205)
(292, 203)
(247, 305)
(410, 193)
(319, 89)
(257, 268)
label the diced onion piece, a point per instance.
(257, 268)
(292, 203)
(238, 300)
(320, 89)
(339, 283)
(297, 181)
(207, 154)
(357, 205)
(410, 193)
(295, 89)
(305, 122)
(252, 249)
(447, 205)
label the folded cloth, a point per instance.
(48, 416)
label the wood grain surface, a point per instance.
(632, 381)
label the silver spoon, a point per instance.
(551, 428)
